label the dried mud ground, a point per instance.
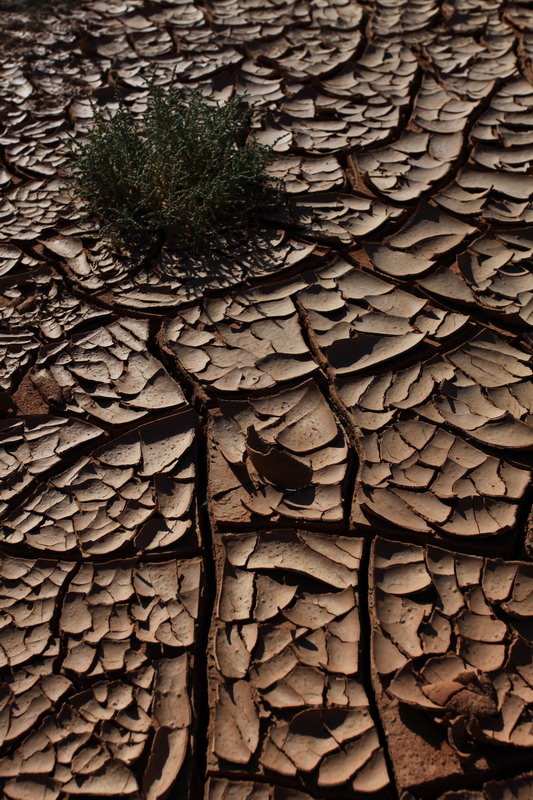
(265, 514)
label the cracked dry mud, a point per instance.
(265, 515)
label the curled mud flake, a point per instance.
(470, 694)
(302, 52)
(271, 597)
(402, 17)
(171, 711)
(498, 579)
(42, 303)
(470, 68)
(33, 208)
(408, 168)
(14, 261)
(276, 466)
(438, 110)
(201, 55)
(140, 488)
(340, 767)
(313, 735)
(361, 322)
(227, 789)
(466, 15)
(367, 97)
(446, 283)
(508, 788)
(282, 456)
(306, 175)
(286, 638)
(16, 351)
(104, 729)
(415, 249)
(496, 270)
(300, 552)
(108, 374)
(31, 691)
(168, 597)
(482, 388)
(29, 448)
(477, 688)
(236, 734)
(423, 478)
(177, 277)
(29, 592)
(249, 341)
(110, 610)
(494, 197)
(498, 128)
(374, 401)
(243, 24)
(36, 146)
(399, 579)
(519, 602)
(18, 87)
(90, 742)
(510, 365)
(339, 218)
(236, 602)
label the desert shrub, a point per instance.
(186, 170)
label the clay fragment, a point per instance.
(247, 341)
(139, 489)
(279, 457)
(361, 322)
(286, 694)
(108, 374)
(30, 448)
(452, 661)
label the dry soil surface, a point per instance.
(264, 525)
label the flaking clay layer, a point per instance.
(265, 507)
(452, 659)
(138, 491)
(250, 341)
(224, 789)
(107, 374)
(286, 693)
(97, 672)
(277, 458)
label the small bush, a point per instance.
(185, 171)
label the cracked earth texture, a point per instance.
(265, 515)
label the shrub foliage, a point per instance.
(186, 170)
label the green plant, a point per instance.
(185, 171)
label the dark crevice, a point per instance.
(344, 422)
(365, 662)
(205, 613)
(200, 723)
